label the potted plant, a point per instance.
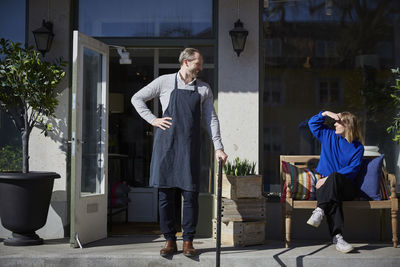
(27, 96)
(240, 181)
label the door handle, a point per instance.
(71, 141)
(79, 141)
(149, 133)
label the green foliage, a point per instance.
(27, 89)
(28, 81)
(395, 126)
(240, 167)
(10, 158)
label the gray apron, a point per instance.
(175, 160)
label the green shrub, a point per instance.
(10, 158)
(240, 167)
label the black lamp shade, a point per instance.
(238, 35)
(44, 37)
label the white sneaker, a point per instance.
(316, 217)
(341, 244)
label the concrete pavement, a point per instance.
(141, 250)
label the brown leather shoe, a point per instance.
(169, 248)
(188, 249)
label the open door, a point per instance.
(89, 126)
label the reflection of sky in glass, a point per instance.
(317, 10)
(150, 18)
(12, 20)
(300, 12)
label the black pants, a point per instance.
(168, 219)
(330, 195)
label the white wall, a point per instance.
(50, 153)
(238, 81)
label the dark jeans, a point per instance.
(167, 208)
(330, 195)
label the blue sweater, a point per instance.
(337, 154)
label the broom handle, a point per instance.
(219, 200)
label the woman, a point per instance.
(340, 162)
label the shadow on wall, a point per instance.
(58, 128)
(59, 203)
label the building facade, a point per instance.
(300, 57)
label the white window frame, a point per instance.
(273, 139)
(273, 84)
(272, 47)
(329, 49)
(329, 82)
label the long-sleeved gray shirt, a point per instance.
(162, 88)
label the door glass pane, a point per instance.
(151, 18)
(93, 120)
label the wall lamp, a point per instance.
(238, 35)
(44, 37)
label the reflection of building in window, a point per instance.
(273, 91)
(329, 91)
(325, 49)
(384, 50)
(273, 47)
(273, 140)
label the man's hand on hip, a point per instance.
(162, 123)
(220, 155)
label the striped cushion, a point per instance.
(303, 181)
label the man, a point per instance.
(175, 163)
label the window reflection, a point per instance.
(328, 57)
(93, 132)
(151, 18)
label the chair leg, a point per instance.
(394, 228)
(283, 216)
(288, 223)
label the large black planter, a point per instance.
(24, 205)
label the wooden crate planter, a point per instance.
(237, 187)
(251, 209)
(240, 234)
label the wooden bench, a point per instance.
(289, 204)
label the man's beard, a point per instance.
(193, 73)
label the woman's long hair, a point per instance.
(352, 127)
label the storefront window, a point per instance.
(320, 56)
(12, 27)
(12, 20)
(152, 18)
